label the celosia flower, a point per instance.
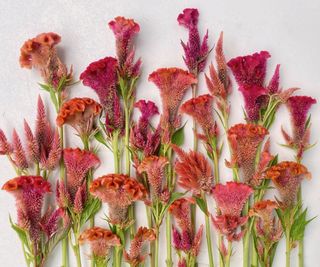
(101, 76)
(173, 84)
(244, 140)
(119, 191)
(230, 199)
(50, 221)
(40, 52)
(195, 51)
(287, 177)
(101, 241)
(135, 256)
(80, 113)
(19, 155)
(5, 147)
(154, 167)
(29, 193)
(194, 171)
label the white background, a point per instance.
(287, 29)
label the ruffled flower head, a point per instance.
(173, 84)
(245, 140)
(101, 241)
(79, 113)
(101, 76)
(230, 199)
(119, 191)
(195, 51)
(136, 256)
(40, 53)
(287, 177)
(29, 192)
(194, 171)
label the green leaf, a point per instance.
(62, 83)
(55, 239)
(201, 204)
(100, 138)
(45, 87)
(178, 136)
(22, 234)
(299, 225)
(92, 207)
(308, 122)
(173, 198)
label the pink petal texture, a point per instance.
(19, 155)
(5, 147)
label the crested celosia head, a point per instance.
(80, 113)
(173, 84)
(101, 240)
(287, 177)
(29, 193)
(136, 256)
(40, 52)
(119, 191)
(194, 171)
(155, 168)
(195, 51)
(244, 141)
(230, 199)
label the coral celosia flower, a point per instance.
(195, 51)
(135, 256)
(194, 171)
(40, 52)
(230, 199)
(244, 140)
(287, 177)
(173, 84)
(29, 192)
(119, 191)
(80, 113)
(101, 241)
(101, 76)
(154, 166)
(181, 211)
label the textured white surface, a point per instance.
(288, 29)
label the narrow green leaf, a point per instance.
(178, 136)
(90, 209)
(45, 87)
(55, 239)
(201, 204)
(100, 138)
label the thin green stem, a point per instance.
(117, 256)
(156, 248)
(76, 246)
(229, 254)
(208, 235)
(169, 261)
(246, 239)
(115, 150)
(288, 247)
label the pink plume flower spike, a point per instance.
(195, 51)
(32, 146)
(19, 155)
(273, 86)
(51, 223)
(5, 146)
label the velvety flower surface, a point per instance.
(244, 140)
(195, 51)
(230, 199)
(287, 177)
(173, 84)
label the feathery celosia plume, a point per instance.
(80, 113)
(181, 211)
(135, 256)
(29, 193)
(51, 159)
(40, 52)
(244, 140)
(19, 155)
(119, 191)
(194, 171)
(195, 51)
(32, 146)
(5, 147)
(287, 177)
(273, 86)
(101, 241)
(101, 76)
(50, 221)
(154, 166)
(230, 199)
(173, 84)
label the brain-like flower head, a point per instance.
(230, 199)
(101, 241)
(245, 140)
(173, 84)
(29, 193)
(40, 53)
(119, 191)
(195, 51)
(287, 177)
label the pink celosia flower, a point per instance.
(244, 140)
(173, 84)
(101, 241)
(194, 171)
(50, 222)
(101, 76)
(119, 191)
(5, 147)
(19, 155)
(182, 263)
(29, 192)
(230, 199)
(287, 177)
(273, 86)
(195, 51)
(136, 256)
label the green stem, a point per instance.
(76, 246)
(208, 234)
(246, 239)
(115, 150)
(229, 254)
(156, 248)
(169, 261)
(216, 166)
(288, 246)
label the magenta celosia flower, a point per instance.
(273, 86)
(50, 222)
(230, 199)
(173, 84)
(195, 51)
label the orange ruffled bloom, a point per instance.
(287, 177)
